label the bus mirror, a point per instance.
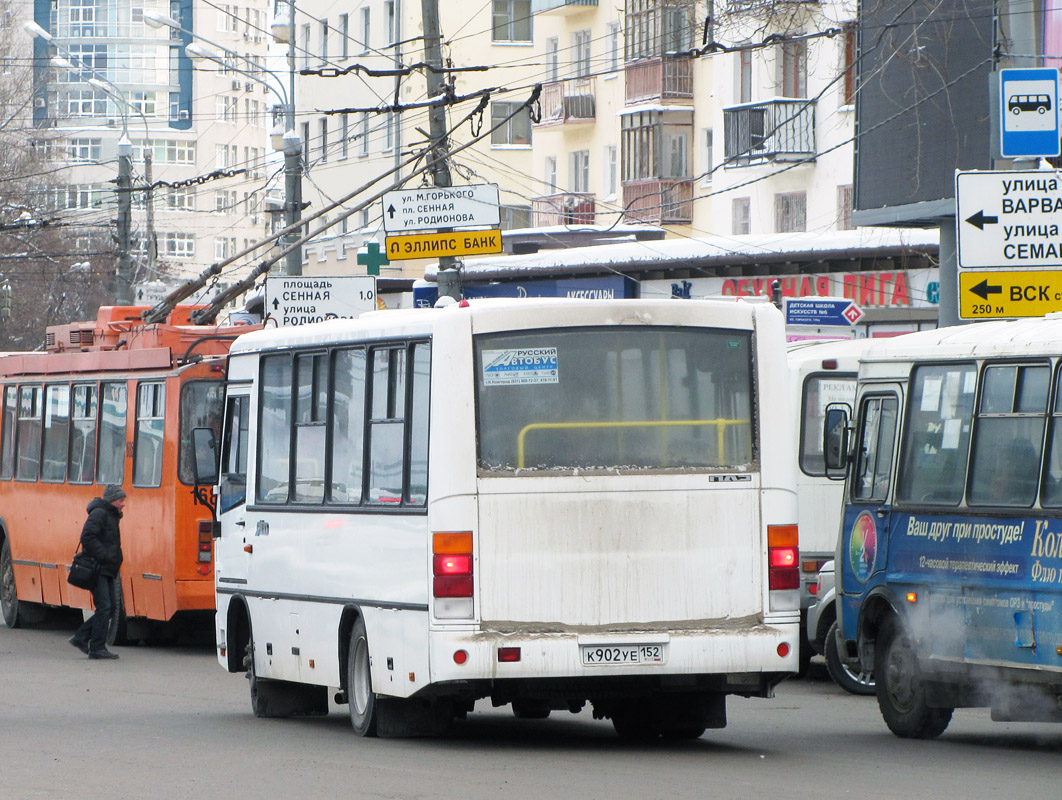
(206, 456)
(835, 438)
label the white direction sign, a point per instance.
(436, 207)
(300, 301)
(1009, 219)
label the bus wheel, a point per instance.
(634, 721)
(850, 680)
(361, 699)
(901, 692)
(8, 595)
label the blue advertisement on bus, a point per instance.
(983, 588)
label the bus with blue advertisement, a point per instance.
(949, 563)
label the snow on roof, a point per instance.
(773, 247)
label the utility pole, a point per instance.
(438, 159)
(123, 295)
(292, 157)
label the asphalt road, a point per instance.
(170, 723)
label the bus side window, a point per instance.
(937, 434)
(877, 428)
(1005, 467)
(234, 455)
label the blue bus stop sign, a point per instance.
(1028, 113)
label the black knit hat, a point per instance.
(112, 493)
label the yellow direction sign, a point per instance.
(435, 245)
(994, 295)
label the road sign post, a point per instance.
(1028, 113)
(301, 300)
(437, 207)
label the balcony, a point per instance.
(561, 6)
(777, 130)
(570, 208)
(568, 101)
(659, 201)
(663, 79)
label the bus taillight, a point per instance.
(783, 567)
(206, 540)
(452, 582)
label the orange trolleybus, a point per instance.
(110, 402)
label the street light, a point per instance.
(287, 141)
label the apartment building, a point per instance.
(184, 82)
(707, 118)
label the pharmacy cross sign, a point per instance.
(372, 259)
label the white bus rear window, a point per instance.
(614, 399)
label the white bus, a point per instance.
(544, 502)
(949, 562)
(821, 372)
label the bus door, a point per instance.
(863, 546)
(232, 560)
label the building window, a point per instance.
(790, 212)
(179, 245)
(389, 12)
(707, 156)
(654, 147)
(511, 21)
(611, 173)
(740, 216)
(324, 41)
(306, 46)
(615, 47)
(654, 28)
(344, 36)
(551, 175)
(344, 135)
(305, 145)
(580, 54)
(389, 131)
(363, 135)
(324, 139)
(515, 217)
(794, 69)
(552, 59)
(579, 171)
(848, 66)
(365, 30)
(845, 196)
(85, 150)
(745, 76)
(515, 124)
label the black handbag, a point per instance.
(83, 570)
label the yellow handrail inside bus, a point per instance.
(720, 424)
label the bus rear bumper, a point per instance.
(728, 660)
(197, 595)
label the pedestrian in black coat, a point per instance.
(101, 539)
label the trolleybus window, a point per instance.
(7, 446)
(938, 434)
(83, 434)
(111, 469)
(150, 426)
(29, 433)
(1008, 435)
(626, 398)
(201, 407)
(418, 429)
(56, 433)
